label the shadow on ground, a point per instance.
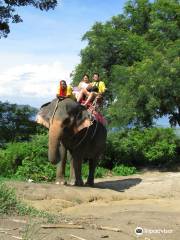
(118, 185)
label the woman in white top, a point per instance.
(82, 85)
(84, 82)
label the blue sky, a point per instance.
(46, 46)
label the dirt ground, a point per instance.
(149, 200)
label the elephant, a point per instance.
(71, 128)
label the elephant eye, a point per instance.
(66, 121)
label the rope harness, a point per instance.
(86, 134)
(56, 106)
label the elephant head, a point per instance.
(64, 119)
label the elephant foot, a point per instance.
(89, 183)
(79, 183)
(72, 182)
(61, 181)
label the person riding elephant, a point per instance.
(70, 127)
(94, 90)
(83, 84)
(64, 90)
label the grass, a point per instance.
(33, 231)
(10, 205)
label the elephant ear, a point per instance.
(82, 119)
(77, 113)
(44, 114)
(74, 116)
(82, 115)
(42, 121)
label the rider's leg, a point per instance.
(81, 94)
(91, 97)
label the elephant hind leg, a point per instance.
(92, 167)
(77, 164)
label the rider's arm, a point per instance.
(69, 91)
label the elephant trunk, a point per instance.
(54, 143)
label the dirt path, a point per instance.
(150, 200)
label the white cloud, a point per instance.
(32, 81)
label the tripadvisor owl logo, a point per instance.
(139, 231)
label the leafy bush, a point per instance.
(99, 173)
(27, 160)
(123, 170)
(35, 165)
(127, 148)
(11, 157)
(16, 123)
(139, 147)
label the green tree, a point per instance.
(109, 45)
(8, 11)
(165, 22)
(137, 13)
(16, 122)
(151, 91)
(137, 54)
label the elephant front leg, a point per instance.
(92, 167)
(61, 166)
(77, 165)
